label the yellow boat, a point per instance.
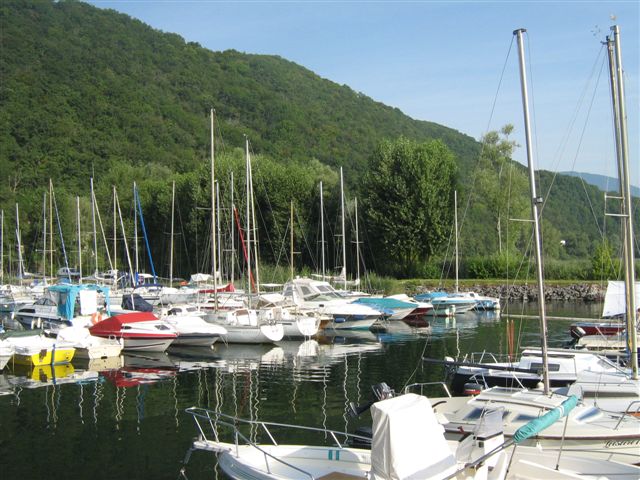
(36, 350)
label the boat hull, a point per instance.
(147, 344)
(43, 357)
(195, 340)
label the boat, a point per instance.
(324, 299)
(138, 330)
(404, 428)
(191, 327)
(587, 431)
(90, 346)
(65, 305)
(564, 366)
(443, 301)
(244, 325)
(32, 348)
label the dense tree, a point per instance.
(408, 202)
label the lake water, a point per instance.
(126, 419)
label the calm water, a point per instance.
(125, 418)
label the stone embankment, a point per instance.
(585, 292)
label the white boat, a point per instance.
(34, 349)
(243, 325)
(564, 367)
(404, 429)
(89, 346)
(192, 329)
(323, 298)
(587, 430)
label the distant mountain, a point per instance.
(604, 183)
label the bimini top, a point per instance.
(66, 296)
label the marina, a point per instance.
(126, 417)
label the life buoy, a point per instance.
(96, 317)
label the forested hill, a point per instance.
(84, 87)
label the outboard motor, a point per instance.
(381, 391)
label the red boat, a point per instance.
(138, 330)
(581, 329)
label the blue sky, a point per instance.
(442, 61)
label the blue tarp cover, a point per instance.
(69, 293)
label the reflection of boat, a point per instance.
(43, 375)
(138, 369)
(248, 356)
(194, 358)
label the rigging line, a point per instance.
(305, 239)
(582, 134)
(482, 145)
(418, 363)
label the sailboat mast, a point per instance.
(214, 260)
(233, 240)
(455, 226)
(173, 205)
(95, 231)
(44, 238)
(219, 231)
(291, 237)
(622, 145)
(79, 241)
(344, 243)
(536, 202)
(357, 242)
(322, 231)
(20, 269)
(115, 238)
(135, 232)
(51, 228)
(247, 220)
(2, 246)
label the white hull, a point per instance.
(195, 340)
(255, 335)
(148, 344)
(98, 351)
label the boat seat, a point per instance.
(340, 476)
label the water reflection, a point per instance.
(132, 406)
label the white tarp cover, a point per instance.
(88, 302)
(408, 442)
(614, 299)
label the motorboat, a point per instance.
(65, 305)
(32, 348)
(192, 329)
(138, 330)
(443, 302)
(564, 367)
(404, 428)
(323, 298)
(587, 430)
(90, 346)
(297, 322)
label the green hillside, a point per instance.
(87, 93)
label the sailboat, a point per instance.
(588, 430)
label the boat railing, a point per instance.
(420, 387)
(629, 412)
(486, 357)
(216, 419)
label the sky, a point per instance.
(450, 62)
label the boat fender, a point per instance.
(96, 317)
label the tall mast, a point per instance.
(219, 231)
(214, 260)
(93, 223)
(233, 240)
(322, 230)
(1, 246)
(44, 238)
(291, 237)
(357, 242)
(536, 202)
(247, 220)
(79, 242)
(455, 226)
(173, 204)
(115, 238)
(20, 267)
(51, 228)
(254, 225)
(135, 231)
(622, 150)
(344, 238)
